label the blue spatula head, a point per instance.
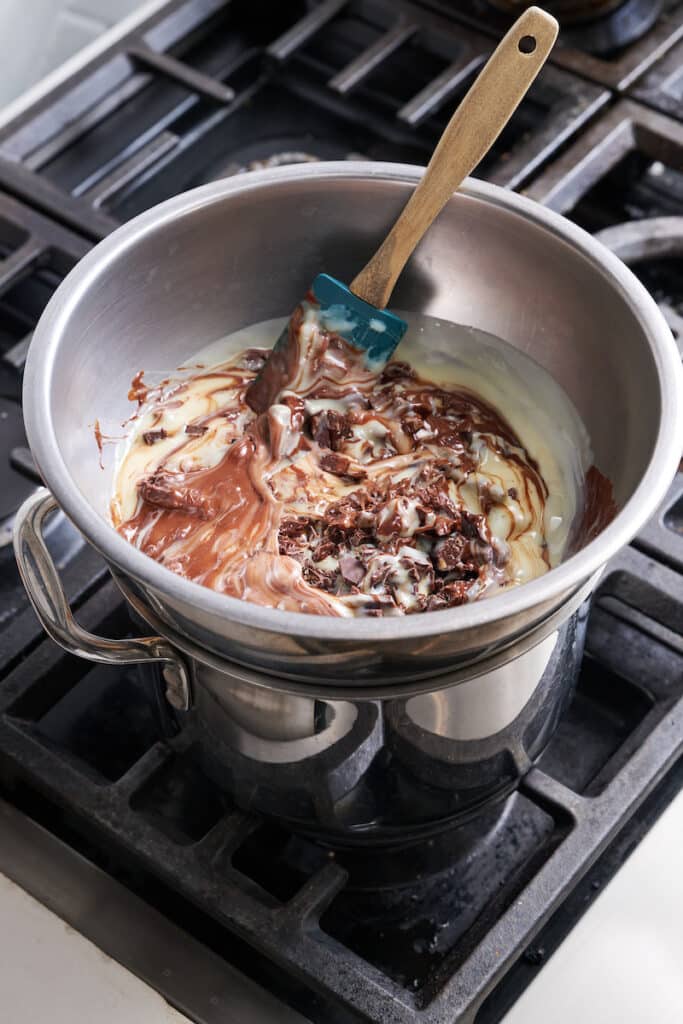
(376, 332)
(373, 332)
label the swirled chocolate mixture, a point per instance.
(328, 489)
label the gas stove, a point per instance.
(94, 782)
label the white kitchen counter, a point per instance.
(50, 973)
(622, 963)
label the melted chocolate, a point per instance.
(599, 508)
(335, 491)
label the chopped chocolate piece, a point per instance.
(443, 525)
(329, 428)
(165, 491)
(352, 570)
(301, 527)
(449, 596)
(333, 463)
(318, 578)
(448, 553)
(324, 550)
(152, 436)
(395, 371)
(196, 429)
(512, 492)
(340, 465)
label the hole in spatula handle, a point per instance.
(527, 44)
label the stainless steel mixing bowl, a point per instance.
(360, 730)
(242, 250)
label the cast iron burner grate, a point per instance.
(85, 752)
(204, 89)
(35, 254)
(624, 180)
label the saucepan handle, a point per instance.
(46, 593)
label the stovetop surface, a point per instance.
(207, 89)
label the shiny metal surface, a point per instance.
(44, 588)
(213, 260)
(364, 770)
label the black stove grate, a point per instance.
(35, 254)
(214, 88)
(624, 180)
(88, 739)
(661, 86)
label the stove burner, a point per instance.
(570, 11)
(283, 160)
(651, 238)
(596, 26)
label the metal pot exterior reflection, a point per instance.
(372, 770)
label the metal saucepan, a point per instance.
(310, 717)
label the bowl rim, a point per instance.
(561, 580)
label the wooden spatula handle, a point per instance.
(474, 127)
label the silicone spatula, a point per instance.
(358, 312)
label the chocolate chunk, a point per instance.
(449, 596)
(196, 429)
(352, 570)
(448, 553)
(443, 525)
(329, 428)
(340, 465)
(318, 578)
(152, 436)
(169, 491)
(395, 371)
(302, 527)
(324, 550)
(512, 492)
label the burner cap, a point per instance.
(596, 26)
(567, 11)
(280, 152)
